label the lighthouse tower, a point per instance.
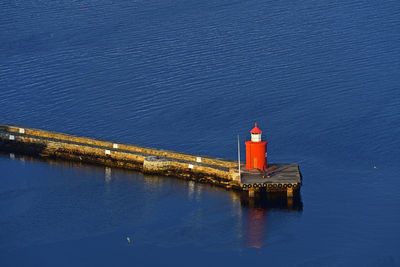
(256, 151)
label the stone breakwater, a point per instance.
(221, 172)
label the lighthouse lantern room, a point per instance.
(256, 151)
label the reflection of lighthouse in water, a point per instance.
(256, 228)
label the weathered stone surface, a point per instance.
(234, 175)
(154, 164)
(131, 148)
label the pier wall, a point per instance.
(132, 148)
(167, 163)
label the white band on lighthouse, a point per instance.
(191, 166)
(115, 145)
(21, 130)
(108, 152)
(198, 159)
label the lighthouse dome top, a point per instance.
(256, 130)
(256, 134)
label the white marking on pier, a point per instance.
(191, 166)
(108, 152)
(198, 159)
(115, 145)
(21, 130)
(12, 137)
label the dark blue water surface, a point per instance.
(321, 78)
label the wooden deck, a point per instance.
(281, 173)
(278, 177)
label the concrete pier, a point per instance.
(222, 172)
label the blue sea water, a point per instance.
(321, 78)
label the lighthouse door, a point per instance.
(255, 163)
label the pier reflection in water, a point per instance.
(137, 203)
(256, 224)
(251, 213)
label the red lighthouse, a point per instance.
(256, 151)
